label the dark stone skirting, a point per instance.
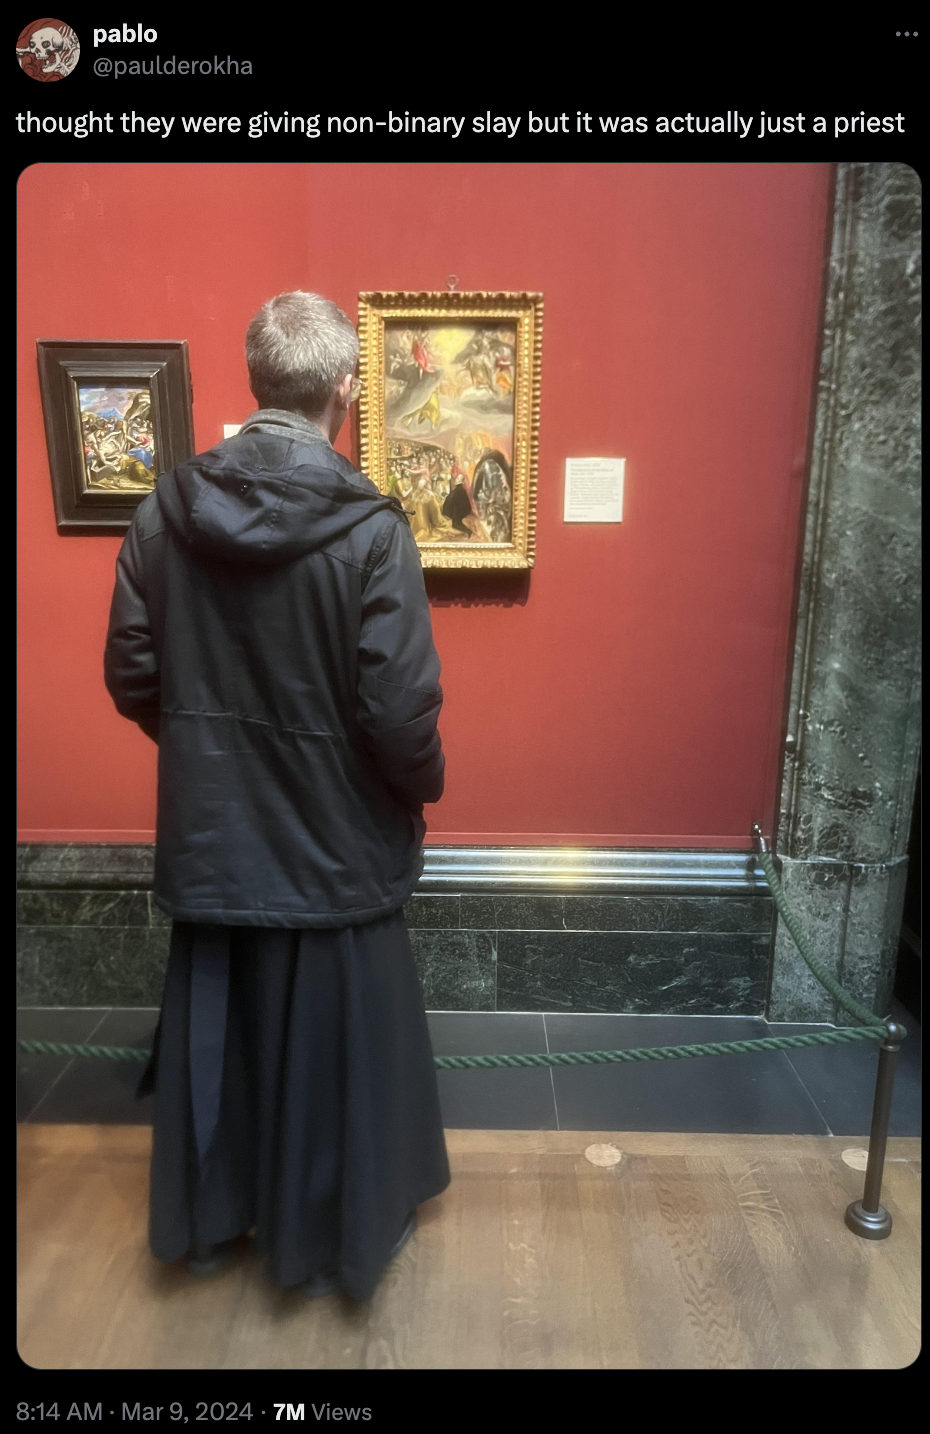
(89, 934)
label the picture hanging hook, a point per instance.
(452, 281)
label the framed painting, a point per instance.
(449, 419)
(116, 415)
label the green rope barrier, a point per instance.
(841, 1036)
(67, 1048)
(873, 1029)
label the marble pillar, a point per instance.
(853, 735)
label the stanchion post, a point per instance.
(868, 1217)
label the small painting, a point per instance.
(447, 420)
(116, 416)
(117, 426)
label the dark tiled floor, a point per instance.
(488, 1099)
(842, 1080)
(97, 1090)
(815, 1091)
(37, 1075)
(748, 1095)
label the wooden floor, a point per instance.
(691, 1252)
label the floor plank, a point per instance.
(690, 1252)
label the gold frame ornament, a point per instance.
(522, 311)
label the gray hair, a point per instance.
(299, 348)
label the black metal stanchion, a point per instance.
(868, 1217)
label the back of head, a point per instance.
(299, 347)
(260, 498)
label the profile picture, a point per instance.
(48, 50)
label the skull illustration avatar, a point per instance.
(48, 50)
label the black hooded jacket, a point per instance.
(270, 628)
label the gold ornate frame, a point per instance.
(525, 311)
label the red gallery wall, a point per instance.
(631, 692)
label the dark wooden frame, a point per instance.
(63, 363)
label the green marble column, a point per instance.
(853, 735)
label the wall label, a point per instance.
(594, 490)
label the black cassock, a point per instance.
(296, 1096)
(270, 628)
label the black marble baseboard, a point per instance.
(105, 943)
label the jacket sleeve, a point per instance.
(130, 664)
(399, 695)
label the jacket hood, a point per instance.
(274, 492)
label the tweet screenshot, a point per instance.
(468, 787)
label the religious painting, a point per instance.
(116, 416)
(119, 445)
(448, 419)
